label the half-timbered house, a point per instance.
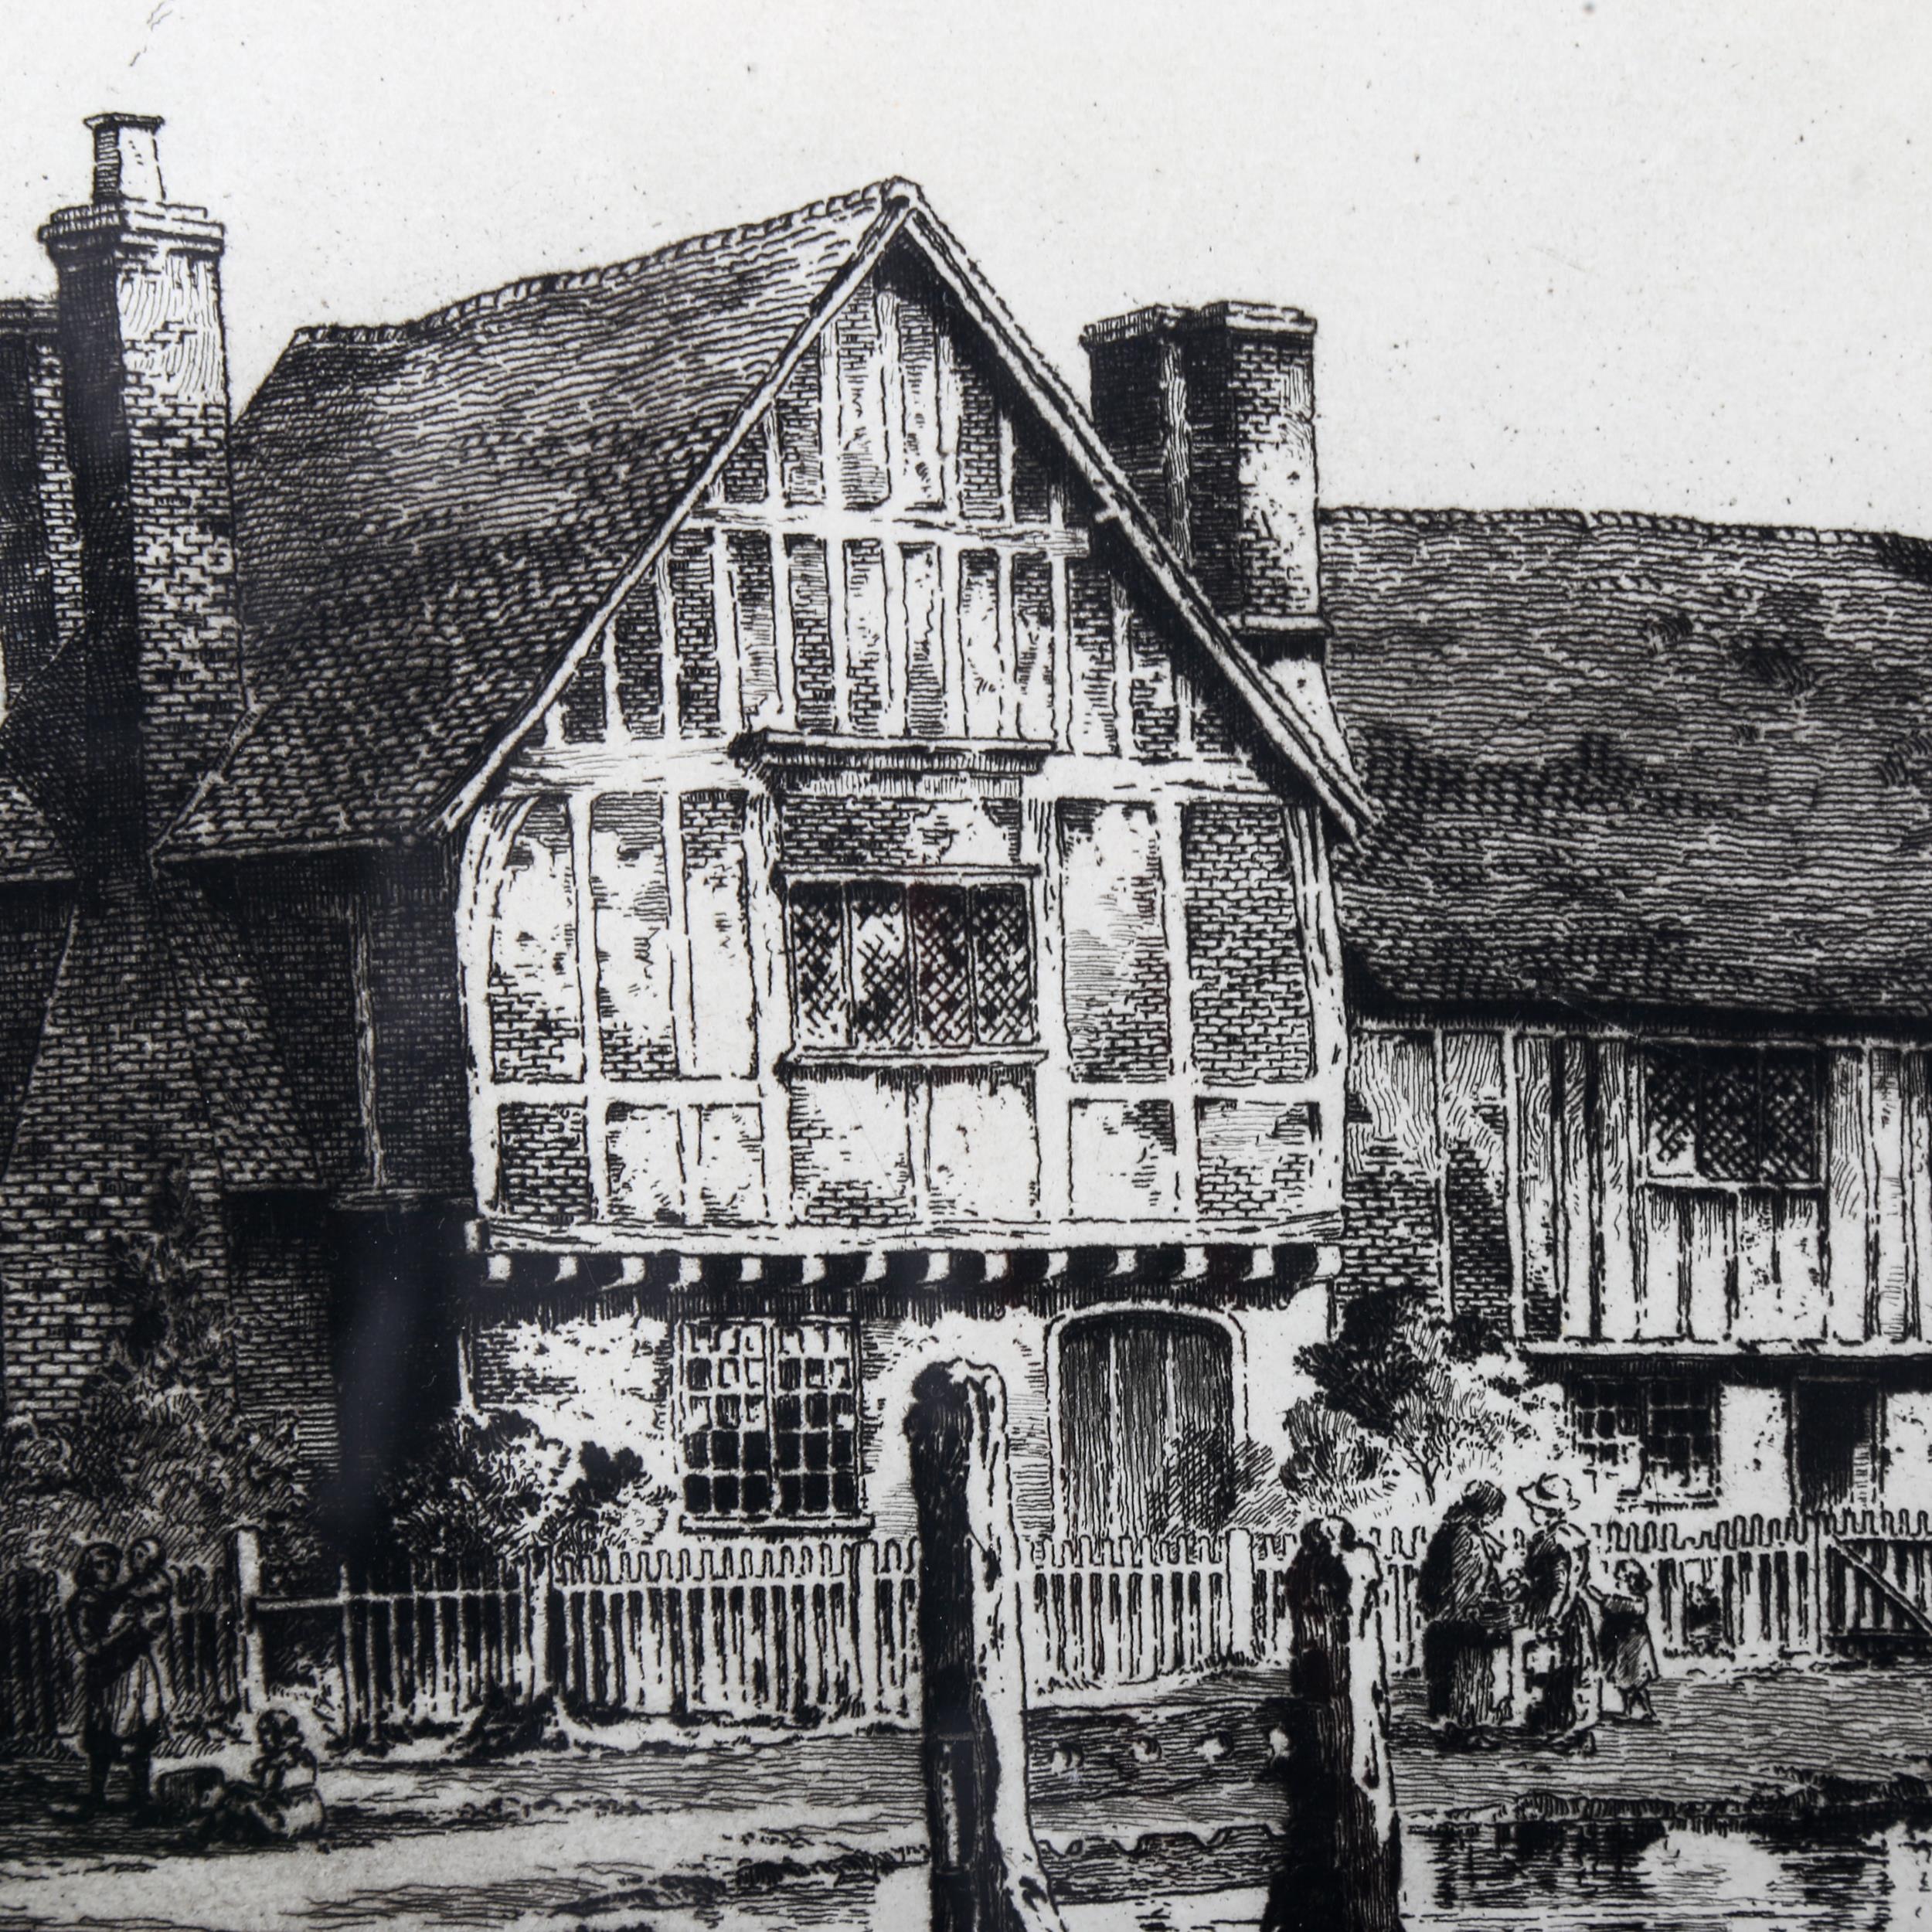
(742, 854)
(1638, 958)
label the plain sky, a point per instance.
(1624, 255)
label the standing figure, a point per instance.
(1629, 1651)
(1465, 1645)
(140, 1695)
(93, 1621)
(1342, 1862)
(1562, 1700)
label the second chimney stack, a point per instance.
(1211, 412)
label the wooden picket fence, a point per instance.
(39, 1673)
(808, 1628)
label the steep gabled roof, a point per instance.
(432, 515)
(1624, 762)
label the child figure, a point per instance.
(280, 1801)
(1630, 1654)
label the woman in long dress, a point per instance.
(1465, 1642)
(1564, 1693)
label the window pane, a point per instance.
(1680, 1435)
(881, 989)
(1003, 966)
(1790, 1106)
(939, 917)
(1670, 1092)
(1727, 1133)
(745, 1455)
(1606, 1420)
(817, 966)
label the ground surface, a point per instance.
(1140, 1803)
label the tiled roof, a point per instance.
(29, 852)
(1623, 761)
(429, 514)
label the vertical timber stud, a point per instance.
(1341, 1871)
(986, 1874)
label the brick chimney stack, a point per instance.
(1211, 412)
(145, 381)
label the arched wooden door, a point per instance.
(1146, 1424)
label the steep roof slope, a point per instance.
(429, 513)
(1625, 761)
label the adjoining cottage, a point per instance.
(687, 845)
(1640, 972)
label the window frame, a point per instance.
(844, 1416)
(1706, 1062)
(1642, 1394)
(921, 1048)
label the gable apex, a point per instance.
(438, 517)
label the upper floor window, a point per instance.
(1751, 1115)
(886, 967)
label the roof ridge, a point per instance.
(890, 189)
(1827, 536)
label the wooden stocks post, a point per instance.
(1342, 1868)
(986, 1874)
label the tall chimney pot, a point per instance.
(127, 160)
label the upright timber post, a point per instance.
(986, 1874)
(1342, 1868)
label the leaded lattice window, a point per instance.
(879, 966)
(769, 1419)
(1748, 1115)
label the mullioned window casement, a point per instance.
(1653, 1436)
(768, 1426)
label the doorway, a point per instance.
(1834, 1438)
(1146, 1425)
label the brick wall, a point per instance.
(293, 915)
(1245, 947)
(1473, 1182)
(40, 546)
(1393, 1186)
(421, 1086)
(283, 1270)
(112, 1102)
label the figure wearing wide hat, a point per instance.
(1556, 1604)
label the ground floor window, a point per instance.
(1146, 1425)
(769, 1419)
(1655, 1434)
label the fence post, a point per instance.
(1240, 1559)
(244, 1587)
(538, 1603)
(865, 1596)
(985, 1870)
(1817, 1586)
(346, 1638)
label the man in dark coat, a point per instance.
(1465, 1644)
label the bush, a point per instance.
(157, 1443)
(1400, 1389)
(495, 1488)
